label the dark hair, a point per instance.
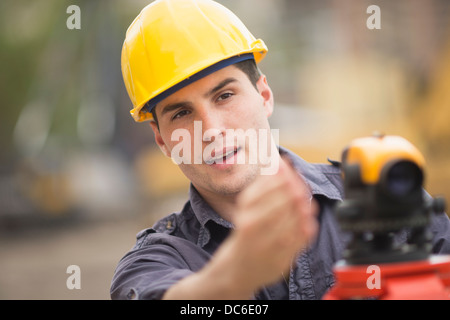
(250, 69)
(248, 66)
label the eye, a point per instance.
(224, 96)
(180, 114)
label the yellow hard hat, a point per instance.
(172, 43)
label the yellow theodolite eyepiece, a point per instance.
(372, 154)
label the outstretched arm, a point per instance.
(274, 220)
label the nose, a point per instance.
(211, 133)
(212, 124)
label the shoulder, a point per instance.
(174, 224)
(333, 175)
(165, 248)
(323, 178)
(157, 260)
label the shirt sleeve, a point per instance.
(440, 228)
(154, 265)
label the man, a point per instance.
(242, 234)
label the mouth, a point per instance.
(224, 157)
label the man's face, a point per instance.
(210, 110)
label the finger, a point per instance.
(268, 211)
(308, 224)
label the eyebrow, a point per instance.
(220, 86)
(173, 106)
(179, 105)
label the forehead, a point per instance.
(203, 85)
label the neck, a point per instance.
(223, 205)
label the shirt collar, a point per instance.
(315, 175)
(203, 210)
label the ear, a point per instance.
(266, 94)
(159, 140)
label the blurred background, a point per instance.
(78, 178)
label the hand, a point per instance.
(275, 220)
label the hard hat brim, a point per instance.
(151, 104)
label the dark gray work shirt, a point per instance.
(182, 243)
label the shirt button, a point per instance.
(131, 295)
